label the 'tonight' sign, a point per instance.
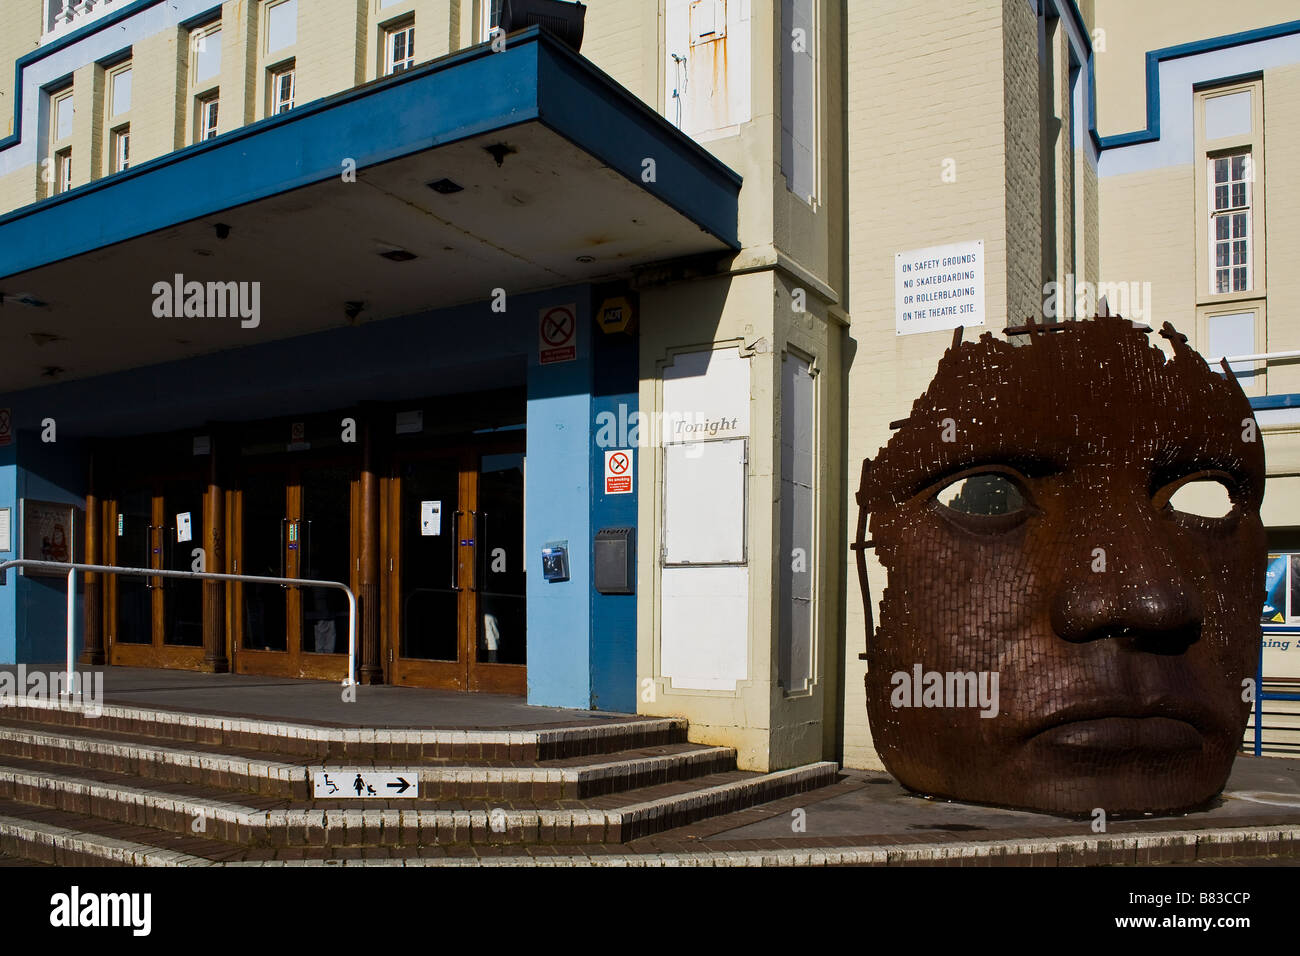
(939, 288)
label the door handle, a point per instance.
(283, 544)
(455, 551)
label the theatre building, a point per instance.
(561, 345)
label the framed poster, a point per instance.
(47, 534)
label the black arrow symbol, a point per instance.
(402, 786)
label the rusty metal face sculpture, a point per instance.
(1056, 634)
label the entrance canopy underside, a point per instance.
(275, 204)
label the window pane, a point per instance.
(1228, 115)
(1221, 281)
(1232, 335)
(1238, 195)
(282, 25)
(207, 56)
(1220, 197)
(121, 92)
(1221, 227)
(1238, 280)
(1221, 254)
(1238, 166)
(1239, 252)
(63, 119)
(1221, 170)
(1239, 225)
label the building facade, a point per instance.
(565, 362)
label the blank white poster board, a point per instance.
(704, 502)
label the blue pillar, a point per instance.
(613, 616)
(558, 504)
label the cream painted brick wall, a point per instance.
(20, 35)
(620, 39)
(87, 123)
(330, 55)
(1148, 235)
(1134, 27)
(157, 94)
(924, 84)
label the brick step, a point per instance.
(53, 837)
(323, 742)
(571, 777)
(216, 814)
(58, 838)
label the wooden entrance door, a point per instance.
(455, 554)
(293, 519)
(155, 522)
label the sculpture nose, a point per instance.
(1125, 581)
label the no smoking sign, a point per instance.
(618, 472)
(557, 334)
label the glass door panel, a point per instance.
(429, 561)
(499, 553)
(325, 549)
(134, 549)
(265, 523)
(181, 533)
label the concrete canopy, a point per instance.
(270, 203)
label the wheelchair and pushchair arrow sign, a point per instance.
(362, 783)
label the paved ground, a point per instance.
(877, 805)
(320, 702)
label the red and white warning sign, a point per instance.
(557, 334)
(618, 472)
(6, 427)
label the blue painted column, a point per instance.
(615, 401)
(557, 501)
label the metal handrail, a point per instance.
(1260, 696)
(72, 570)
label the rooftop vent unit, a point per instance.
(563, 19)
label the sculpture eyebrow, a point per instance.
(919, 475)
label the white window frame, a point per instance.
(274, 76)
(391, 65)
(486, 26)
(1230, 212)
(197, 38)
(121, 142)
(57, 100)
(206, 130)
(63, 170)
(111, 89)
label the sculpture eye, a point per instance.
(985, 494)
(1206, 495)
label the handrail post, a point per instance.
(1259, 701)
(72, 600)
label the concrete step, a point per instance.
(322, 742)
(212, 813)
(32, 835)
(572, 777)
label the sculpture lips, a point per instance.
(1124, 734)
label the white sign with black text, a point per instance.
(938, 288)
